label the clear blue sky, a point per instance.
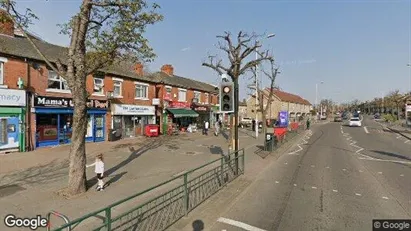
(358, 48)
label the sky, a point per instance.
(349, 49)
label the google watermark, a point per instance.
(393, 224)
(33, 223)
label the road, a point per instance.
(328, 183)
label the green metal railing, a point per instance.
(184, 193)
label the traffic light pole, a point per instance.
(236, 109)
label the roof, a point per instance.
(288, 97)
(19, 46)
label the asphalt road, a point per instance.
(324, 185)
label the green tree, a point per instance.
(102, 33)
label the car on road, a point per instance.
(338, 119)
(377, 116)
(355, 122)
(245, 122)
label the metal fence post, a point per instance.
(222, 171)
(243, 161)
(186, 193)
(108, 218)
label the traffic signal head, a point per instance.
(227, 97)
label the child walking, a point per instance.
(99, 170)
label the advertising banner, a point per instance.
(283, 116)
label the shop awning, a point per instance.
(182, 112)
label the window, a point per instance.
(197, 96)
(141, 91)
(117, 87)
(206, 98)
(1, 72)
(56, 82)
(168, 89)
(98, 85)
(182, 95)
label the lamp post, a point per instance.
(256, 88)
(316, 98)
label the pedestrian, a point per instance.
(217, 128)
(99, 170)
(206, 126)
(308, 124)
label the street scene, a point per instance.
(174, 115)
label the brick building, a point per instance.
(36, 107)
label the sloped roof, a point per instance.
(21, 47)
(288, 97)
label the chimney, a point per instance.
(168, 69)
(6, 24)
(138, 68)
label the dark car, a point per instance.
(377, 116)
(338, 119)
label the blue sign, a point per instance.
(283, 116)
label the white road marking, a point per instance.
(344, 169)
(239, 224)
(361, 171)
(398, 137)
(342, 132)
(285, 163)
(357, 194)
(402, 175)
(379, 172)
(406, 141)
(277, 182)
(359, 150)
(312, 166)
(327, 167)
(366, 130)
(314, 187)
(385, 198)
(295, 185)
(335, 190)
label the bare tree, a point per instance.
(266, 97)
(101, 34)
(395, 99)
(238, 50)
(327, 104)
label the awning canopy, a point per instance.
(182, 112)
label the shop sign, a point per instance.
(200, 108)
(125, 109)
(11, 97)
(45, 101)
(175, 104)
(167, 95)
(156, 101)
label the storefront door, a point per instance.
(9, 134)
(99, 128)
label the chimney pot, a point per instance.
(6, 24)
(168, 69)
(138, 68)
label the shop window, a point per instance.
(98, 85)
(46, 127)
(182, 95)
(3, 131)
(197, 96)
(141, 91)
(206, 98)
(117, 88)
(55, 82)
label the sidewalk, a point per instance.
(399, 127)
(28, 181)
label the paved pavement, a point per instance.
(28, 181)
(323, 183)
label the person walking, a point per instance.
(206, 126)
(308, 124)
(99, 170)
(217, 128)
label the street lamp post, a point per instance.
(316, 97)
(256, 89)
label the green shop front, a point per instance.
(12, 120)
(180, 114)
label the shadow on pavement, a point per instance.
(225, 134)
(198, 225)
(216, 150)
(391, 155)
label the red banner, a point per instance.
(167, 95)
(174, 104)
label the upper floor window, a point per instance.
(98, 84)
(182, 93)
(117, 83)
(206, 101)
(55, 82)
(141, 91)
(1, 72)
(197, 96)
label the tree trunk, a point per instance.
(77, 172)
(263, 120)
(231, 137)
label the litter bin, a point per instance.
(269, 142)
(114, 134)
(151, 130)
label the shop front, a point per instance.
(54, 118)
(130, 120)
(179, 114)
(203, 112)
(12, 120)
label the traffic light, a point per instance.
(227, 97)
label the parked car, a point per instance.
(245, 122)
(355, 122)
(377, 116)
(338, 119)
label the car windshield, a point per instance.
(355, 119)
